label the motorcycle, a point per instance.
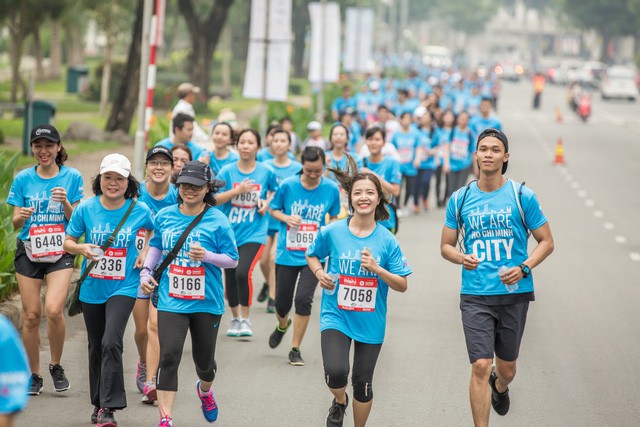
(583, 107)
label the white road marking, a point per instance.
(621, 239)
(590, 203)
(582, 193)
(575, 185)
(609, 226)
(598, 214)
(635, 256)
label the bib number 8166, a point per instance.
(186, 283)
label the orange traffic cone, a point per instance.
(559, 160)
(558, 115)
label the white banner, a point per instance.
(278, 50)
(324, 65)
(358, 55)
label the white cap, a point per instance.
(187, 88)
(374, 85)
(420, 111)
(314, 125)
(116, 163)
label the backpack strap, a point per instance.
(517, 192)
(459, 222)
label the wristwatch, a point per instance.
(526, 271)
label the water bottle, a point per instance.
(194, 244)
(53, 206)
(98, 252)
(293, 233)
(335, 277)
(510, 288)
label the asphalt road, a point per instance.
(578, 364)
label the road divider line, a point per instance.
(635, 256)
(621, 240)
(609, 226)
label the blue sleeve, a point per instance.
(226, 241)
(277, 202)
(397, 263)
(394, 140)
(395, 173)
(224, 176)
(273, 181)
(450, 219)
(533, 215)
(76, 192)
(156, 240)
(334, 208)
(16, 193)
(148, 221)
(14, 370)
(320, 246)
(77, 227)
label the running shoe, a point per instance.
(271, 306)
(264, 293)
(149, 394)
(295, 358)
(60, 381)
(106, 419)
(499, 401)
(336, 413)
(94, 415)
(165, 422)
(234, 327)
(141, 375)
(209, 406)
(35, 385)
(245, 328)
(276, 336)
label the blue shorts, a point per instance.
(272, 232)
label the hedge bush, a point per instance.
(8, 235)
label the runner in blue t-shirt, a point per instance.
(190, 292)
(491, 218)
(462, 147)
(445, 130)
(283, 167)
(249, 187)
(365, 261)
(14, 373)
(157, 193)
(485, 119)
(428, 151)
(182, 134)
(387, 169)
(222, 137)
(301, 206)
(109, 291)
(407, 141)
(43, 198)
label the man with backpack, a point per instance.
(491, 219)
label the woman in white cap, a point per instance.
(109, 291)
(43, 198)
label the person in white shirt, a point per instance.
(187, 93)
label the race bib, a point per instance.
(459, 149)
(140, 239)
(247, 200)
(186, 282)
(46, 240)
(406, 154)
(111, 266)
(357, 293)
(299, 239)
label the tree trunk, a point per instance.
(15, 53)
(74, 45)
(106, 65)
(124, 106)
(226, 59)
(37, 47)
(300, 24)
(204, 38)
(55, 56)
(606, 39)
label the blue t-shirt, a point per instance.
(313, 206)
(214, 234)
(14, 370)
(479, 123)
(495, 234)
(114, 274)
(430, 140)
(264, 154)
(407, 143)
(281, 173)
(343, 248)
(155, 205)
(340, 104)
(248, 225)
(196, 150)
(461, 148)
(217, 164)
(342, 163)
(389, 169)
(30, 190)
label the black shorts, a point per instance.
(37, 270)
(490, 329)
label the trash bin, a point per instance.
(42, 112)
(77, 79)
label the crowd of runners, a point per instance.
(179, 246)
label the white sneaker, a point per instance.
(245, 328)
(234, 327)
(402, 213)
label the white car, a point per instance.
(619, 82)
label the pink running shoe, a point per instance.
(149, 395)
(209, 406)
(166, 422)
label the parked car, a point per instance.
(619, 82)
(509, 70)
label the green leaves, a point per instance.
(8, 235)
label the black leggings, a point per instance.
(440, 195)
(409, 184)
(456, 180)
(239, 281)
(105, 325)
(286, 285)
(421, 188)
(172, 331)
(335, 357)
